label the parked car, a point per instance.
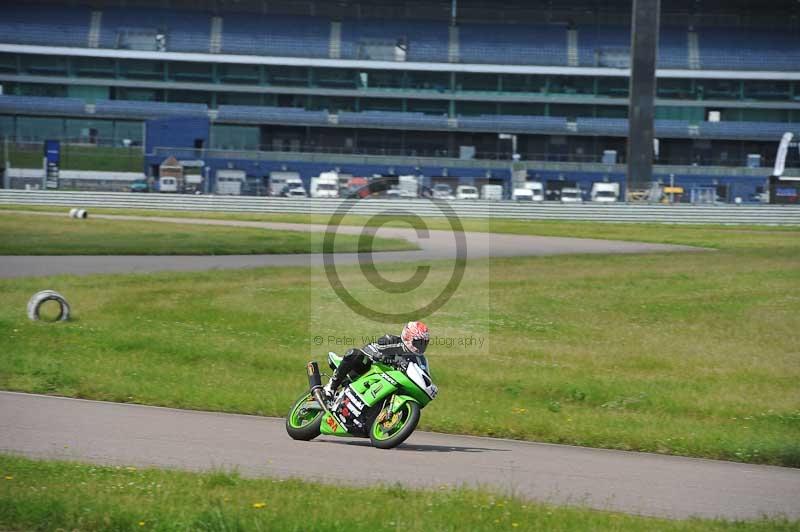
(467, 192)
(296, 192)
(442, 191)
(571, 195)
(522, 194)
(140, 186)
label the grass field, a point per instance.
(46, 235)
(691, 354)
(67, 496)
(711, 236)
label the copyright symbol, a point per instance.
(318, 340)
(374, 278)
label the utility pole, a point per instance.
(641, 111)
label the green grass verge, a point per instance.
(22, 234)
(38, 495)
(702, 235)
(95, 158)
(692, 354)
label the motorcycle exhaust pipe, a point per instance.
(314, 378)
(315, 383)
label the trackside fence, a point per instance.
(615, 212)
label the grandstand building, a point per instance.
(439, 88)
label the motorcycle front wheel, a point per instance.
(390, 430)
(303, 423)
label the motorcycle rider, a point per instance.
(413, 340)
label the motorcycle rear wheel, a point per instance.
(389, 433)
(302, 424)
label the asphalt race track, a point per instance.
(649, 484)
(435, 245)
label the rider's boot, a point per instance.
(329, 390)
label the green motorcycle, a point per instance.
(383, 404)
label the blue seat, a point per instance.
(185, 31)
(513, 44)
(271, 115)
(277, 35)
(45, 25)
(145, 110)
(425, 40)
(392, 119)
(42, 105)
(754, 49)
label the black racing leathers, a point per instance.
(357, 361)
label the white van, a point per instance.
(167, 184)
(408, 185)
(537, 190)
(467, 192)
(326, 185)
(230, 182)
(522, 194)
(279, 180)
(605, 192)
(492, 192)
(571, 195)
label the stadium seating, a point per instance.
(603, 126)
(306, 36)
(271, 115)
(425, 40)
(42, 105)
(747, 130)
(513, 44)
(184, 31)
(609, 46)
(144, 110)
(515, 123)
(673, 48)
(279, 35)
(392, 119)
(605, 46)
(756, 50)
(54, 26)
(672, 128)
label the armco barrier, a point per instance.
(616, 212)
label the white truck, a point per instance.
(467, 192)
(537, 190)
(279, 182)
(571, 195)
(605, 192)
(522, 194)
(408, 185)
(492, 192)
(230, 182)
(326, 185)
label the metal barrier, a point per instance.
(615, 212)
